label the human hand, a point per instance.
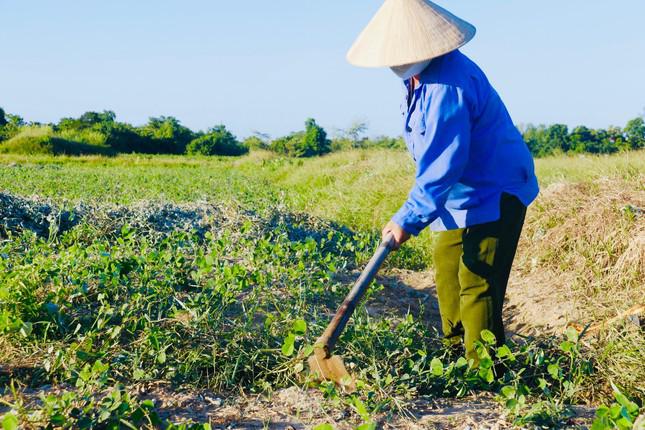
(400, 236)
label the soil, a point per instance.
(296, 408)
(531, 307)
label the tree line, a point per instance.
(557, 138)
(101, 133)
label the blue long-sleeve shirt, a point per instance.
(467, 150)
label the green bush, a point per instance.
(386, 142)
(343, 143)
(218, 141)
(163, 135)
(635, 133)
(10, 125)
(167, 134)
(287, 145)
(42, 140)
(123, 137)
(309, 143)
(88, 136)
(556, 139)
(255, 142)
(3, 120)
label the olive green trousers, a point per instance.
(472, 267)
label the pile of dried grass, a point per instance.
(589, 239)
(584, 252)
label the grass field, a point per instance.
(204, 275)
(359, 189)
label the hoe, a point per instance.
(322, 364)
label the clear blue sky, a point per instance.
(268, 65)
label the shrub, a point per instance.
(386, 142)
(351, 137)
(163, 135)
(98, 121)
(32, 140)
(3, 120)
(123, 137)
(556, 139)
(343, 143)
(255, 142)
(635, 133)
(168, 134)
(218, 141)
(88, 136)
(287, 145)
(42, 140)
(313, 141)
(10, 125)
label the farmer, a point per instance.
(474, 173)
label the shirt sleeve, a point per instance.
(441, 156)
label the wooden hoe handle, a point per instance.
(344, 312)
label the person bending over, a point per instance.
(474, 173)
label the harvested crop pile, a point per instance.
(152, 219)
(19, 214)
(44, 218)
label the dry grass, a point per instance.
(592, 237)
(584, 252)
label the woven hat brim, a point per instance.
(409, 31)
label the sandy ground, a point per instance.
(296, 408)
(531, 305)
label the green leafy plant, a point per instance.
(217, 141)
(311, 142)
(621, 414)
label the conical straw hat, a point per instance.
(408, 31)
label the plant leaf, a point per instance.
(554, 371)
(361, 409)
(10, 422)
(26, 329)
(299, 327)
(488, 337)
(436, 367)
(288, 345)
(508, 392)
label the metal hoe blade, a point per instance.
(331, 369)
